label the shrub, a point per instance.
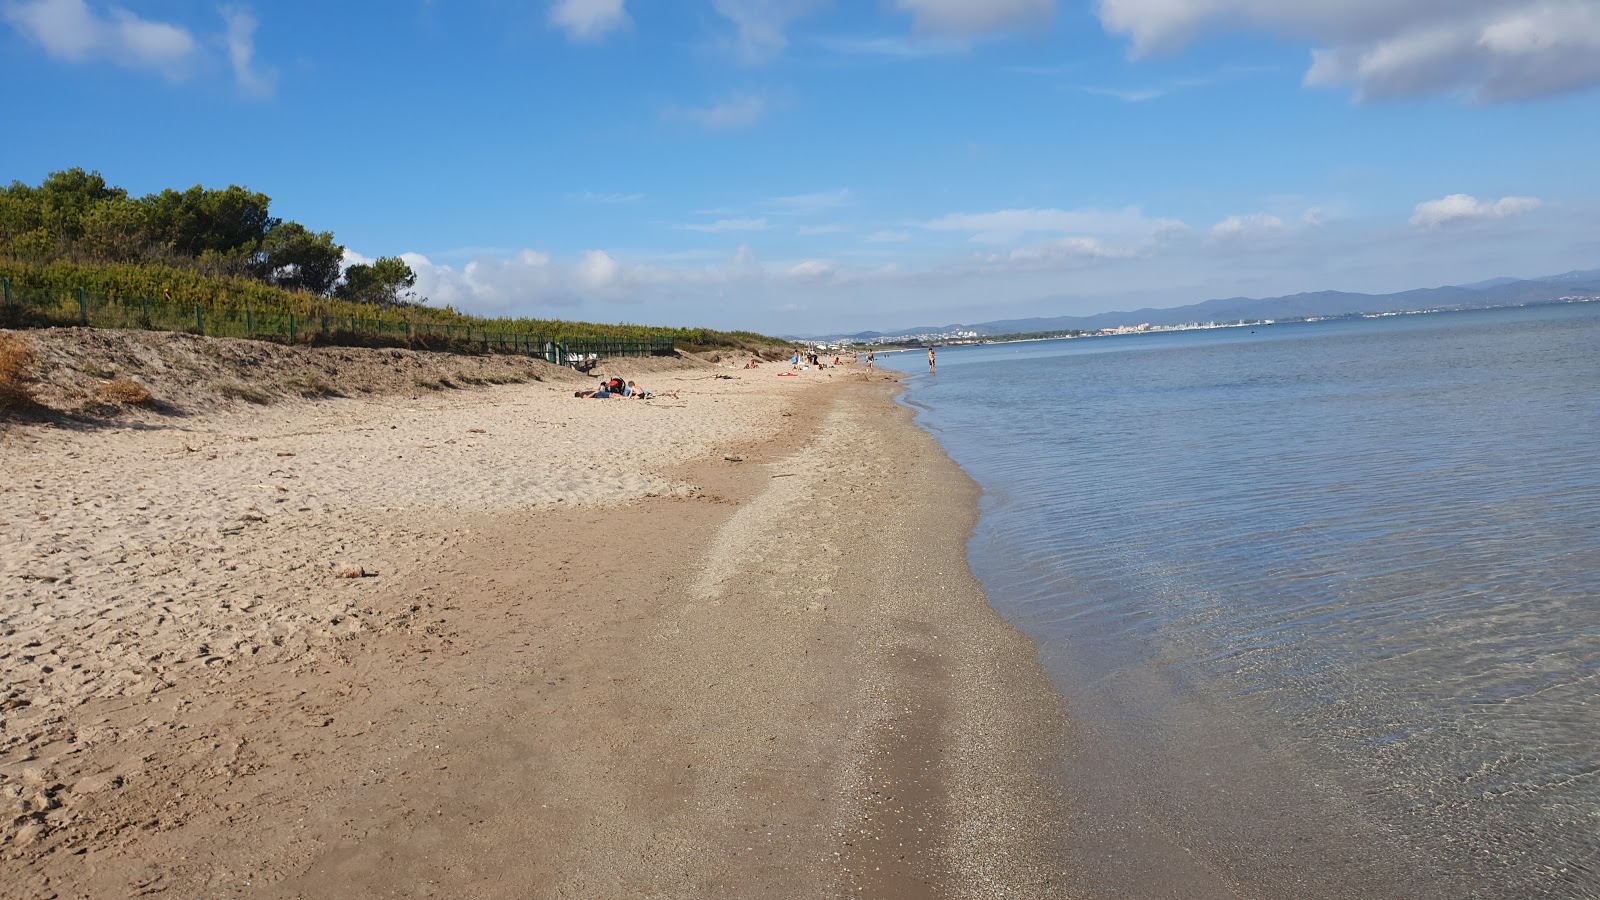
(310, 386)
(19, 365)
(125, 392)
(237, 390)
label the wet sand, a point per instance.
(723, 645)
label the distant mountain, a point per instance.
(1482, 295)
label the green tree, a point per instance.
(37, 246)
(20, 211)
(194, 221)
(116, 230)
(387, 282)
(300, 259)
(65, 198)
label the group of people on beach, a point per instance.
(615, 387)
(810, 359)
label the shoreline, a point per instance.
(752, 681)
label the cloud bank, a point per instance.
(1489, 50)
(1458, 209)
(69, 30)
(72, 31)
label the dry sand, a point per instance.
(722, 643)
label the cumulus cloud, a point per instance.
(242, 53)
(1459, 209)
(1007, 225)
(1491, 50)
(492, 286)
(588, 20)
(597, 270)
(71, 31)
(970, 18)
(736, 112)
(530, 281)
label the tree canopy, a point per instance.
(74, 215)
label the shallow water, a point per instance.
(1324, 599)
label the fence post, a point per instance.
(249, 324)
(199, 321)
(7, 281)
(83, 305)
(291, 328)
(144, 306)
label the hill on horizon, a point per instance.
(1480, 295)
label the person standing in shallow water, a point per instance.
(930, 360)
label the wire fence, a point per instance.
(34, 309)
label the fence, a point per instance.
(21, 308)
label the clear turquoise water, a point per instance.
(1324, 599)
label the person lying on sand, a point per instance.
(615, 387)
(606, 390)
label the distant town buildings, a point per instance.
(838, 345)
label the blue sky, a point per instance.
(805, 166)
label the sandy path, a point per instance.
(599, 659)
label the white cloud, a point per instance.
(1491, 50)
(70, 30)
(1461, 208)
(1009, 224)
(532, 283)
(597, 270)
(1235, 228)
(761, 25)
(970, 18)
(889, 237)
(736, 112)
(491, 286)
(242, 53)
(721, 225)
(811, 270)
(821, 229)
(1065, 250)
(588, 20)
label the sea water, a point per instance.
(1323, 598)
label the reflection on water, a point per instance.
(1356, 561)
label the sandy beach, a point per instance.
(490, 640)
